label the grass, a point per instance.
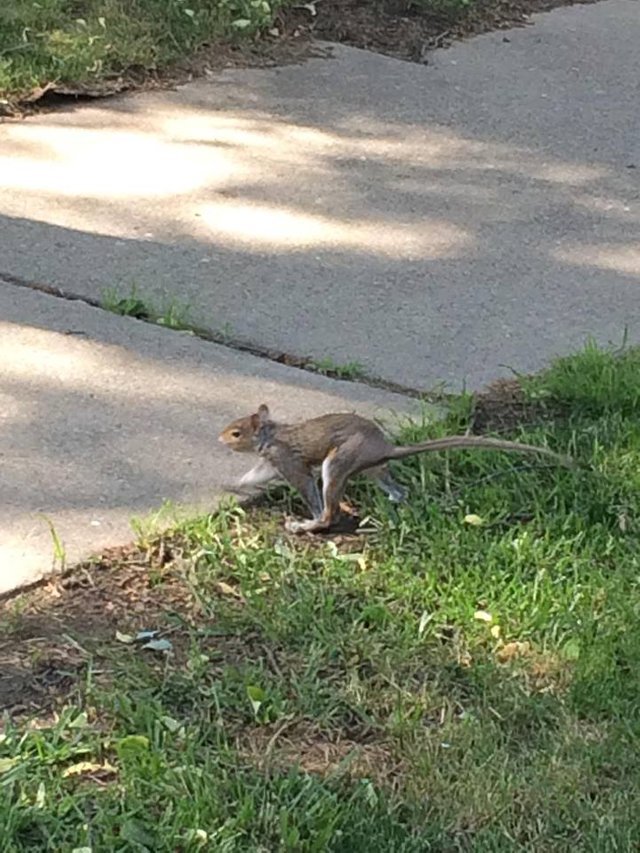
(352, 370)
(75, 42)
(464, 677)
(171, 313)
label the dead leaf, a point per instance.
(87, 767)
(125, 638)
(226, 589)
(510, 651)
(38, 92)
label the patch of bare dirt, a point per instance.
(500, 407)
(49, 632)
(409, 30)
(33, 670)
(503, 406)
(313, 751)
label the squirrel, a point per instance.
(341, 445)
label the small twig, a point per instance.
(23, 46)
(273, 663)
(87, 575)
(164, 631)
(274, 737)
(26, 640)
(76, 645)
(436, 41)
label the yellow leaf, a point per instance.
(473, 520)
(86, 767)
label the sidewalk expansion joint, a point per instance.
(297, 362)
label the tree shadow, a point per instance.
(379, 218)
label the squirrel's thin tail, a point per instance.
(479, 442)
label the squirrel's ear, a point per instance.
(260, 417)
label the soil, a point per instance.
(502, 406)
(410, 30)
(46, 631)
(49, 632)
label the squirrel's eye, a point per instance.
(235, 433)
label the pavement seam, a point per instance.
(293, 361)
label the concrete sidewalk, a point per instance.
(433, 223)
(103, 418)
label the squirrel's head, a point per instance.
(241, 435)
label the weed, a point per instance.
(131, 305)
(327, 367)
(59, 551)
(171, 314)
